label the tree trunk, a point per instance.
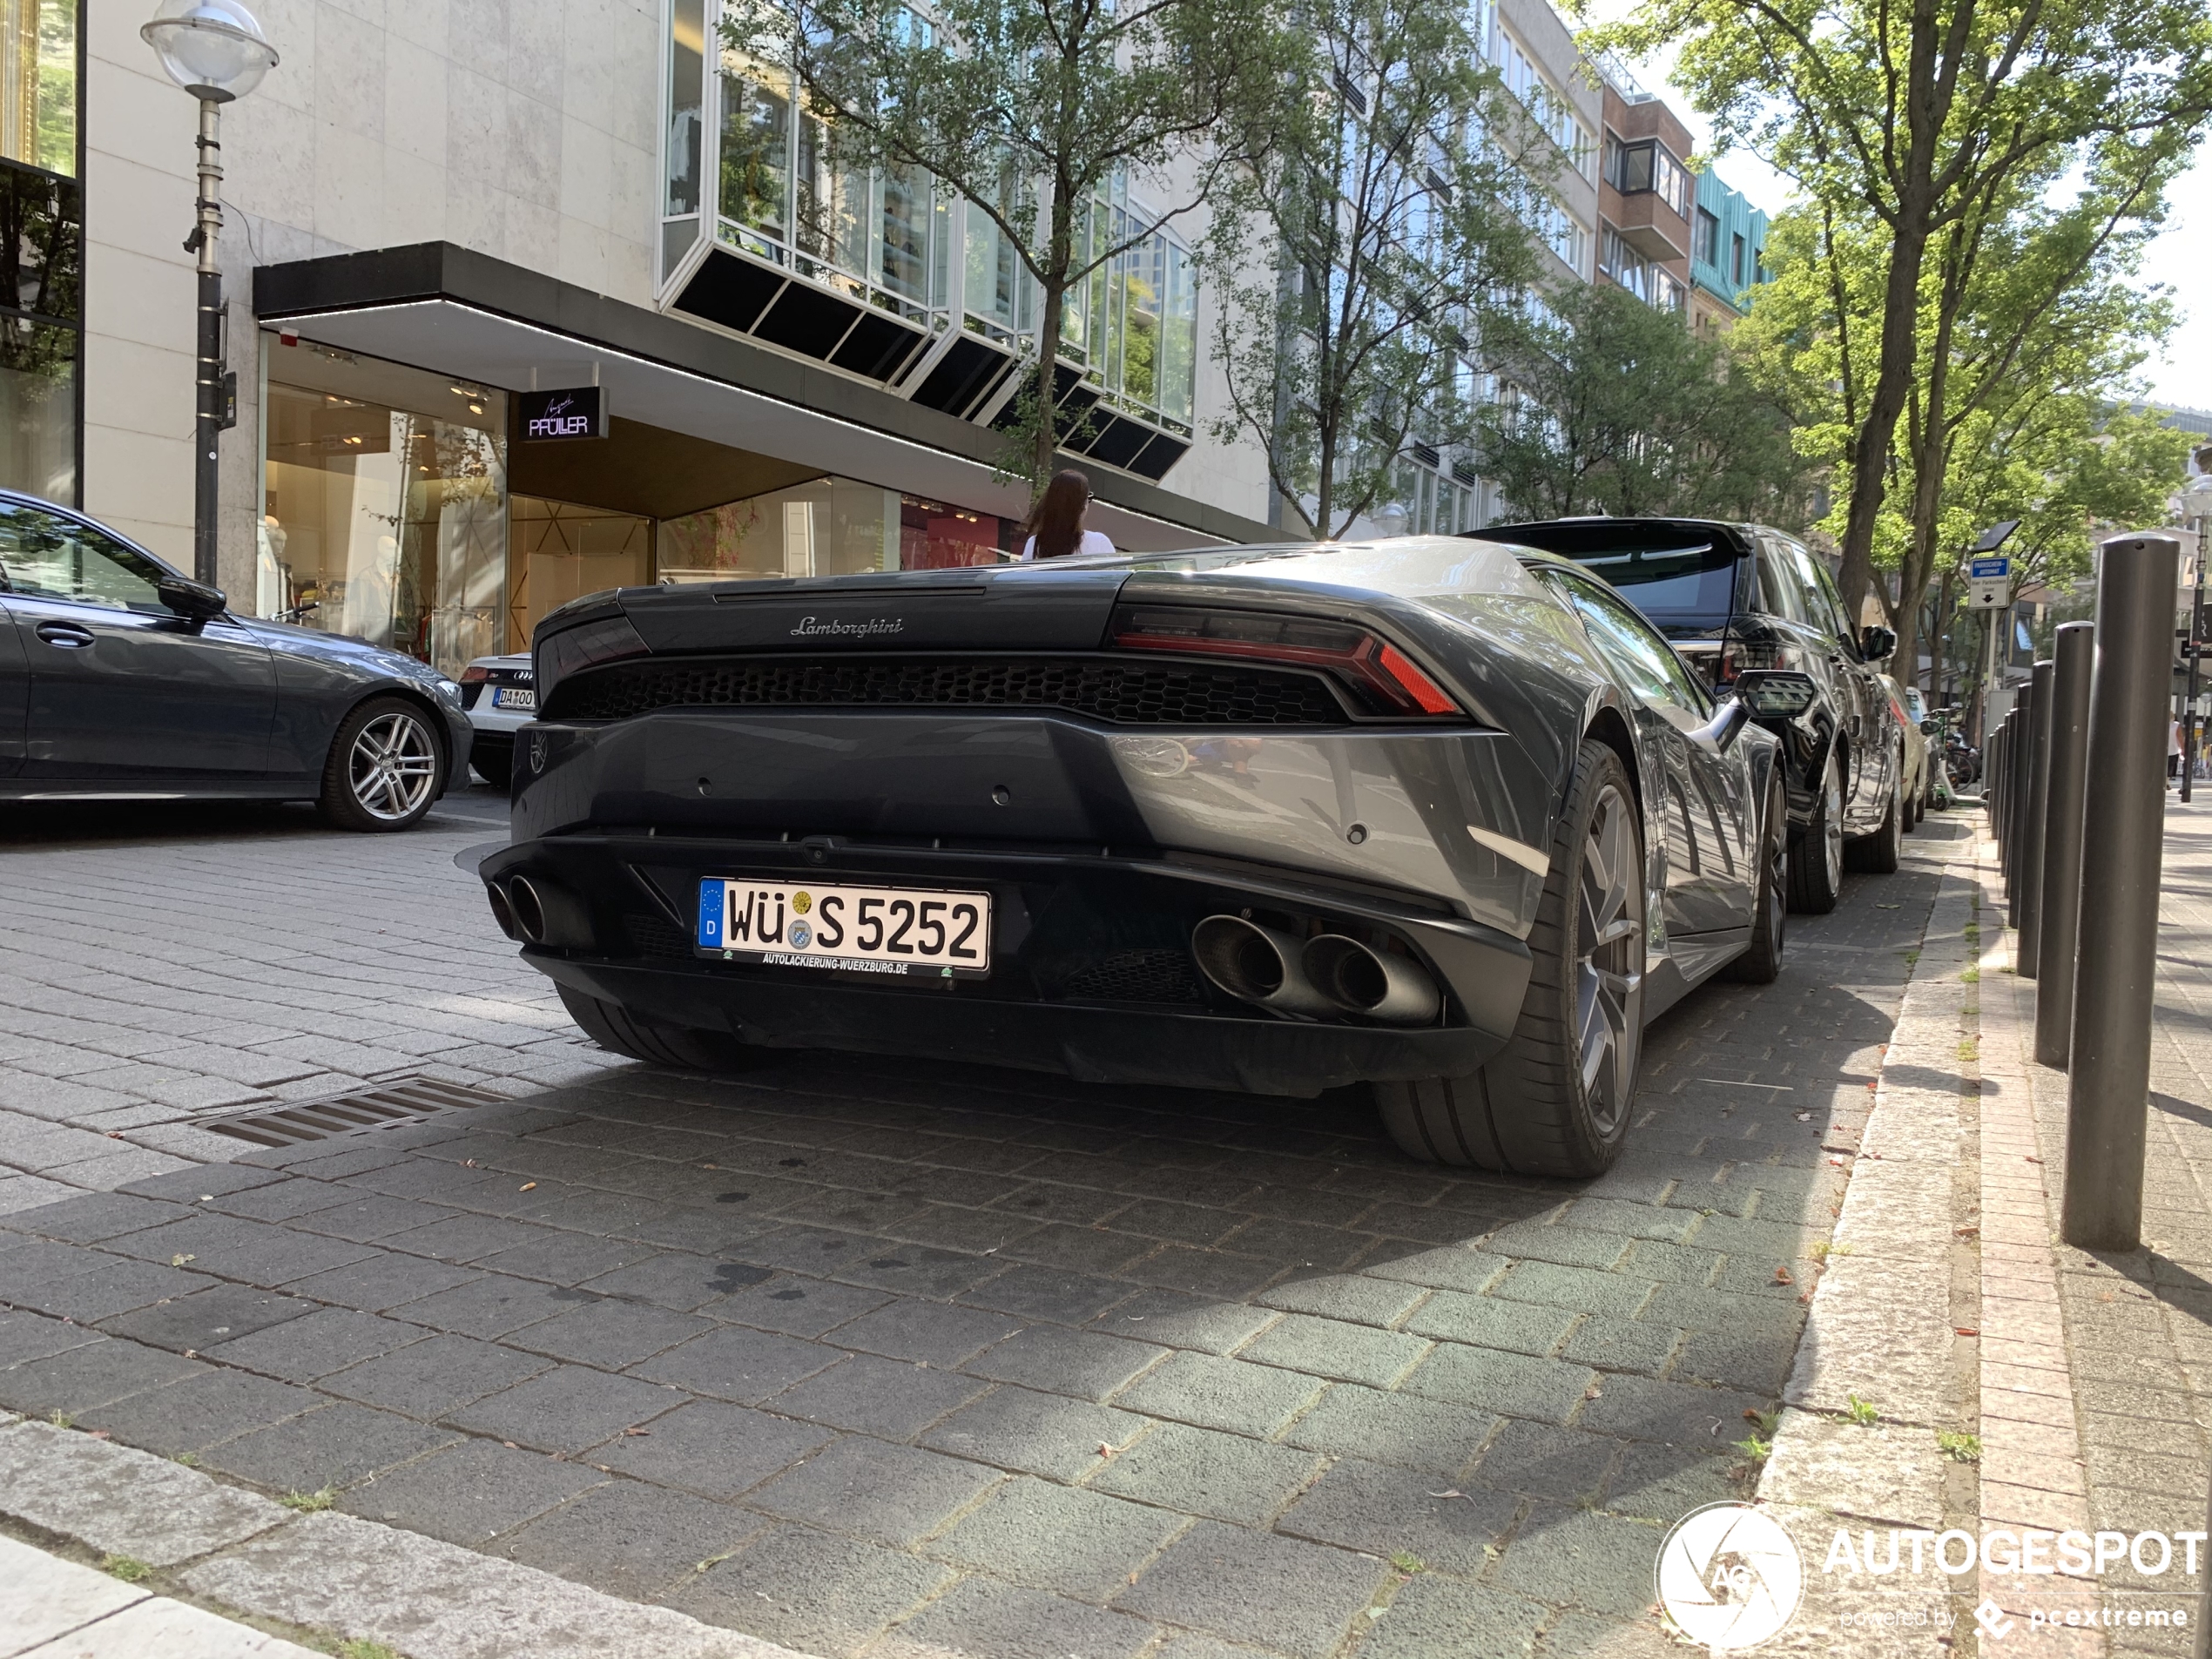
(1893, 381)
(1046, 443)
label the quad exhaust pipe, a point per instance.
(1333, 974)
(537, 913)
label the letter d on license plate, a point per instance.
(898, 931)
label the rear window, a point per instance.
(1679, 587)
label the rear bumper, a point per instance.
(1078, 938)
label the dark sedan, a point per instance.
(122, 680)
(1444, 819)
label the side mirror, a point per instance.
(1927, 728)
(1877, 644)
(1776, 693)
(194, 601)
(1729, 719)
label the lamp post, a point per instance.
(216, 51)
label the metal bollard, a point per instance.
(1993, 785)
(2019, 775)
(2074, 651)
(2116, 952)
(2028, 945)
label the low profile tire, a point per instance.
(1817, 857)
(1761, 964)
(1911, 804)
(1555, 1100)
(496, 768)
(384, 767)
(1881, 853)
(618, 1031)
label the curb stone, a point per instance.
(356, 1578)
(1880, 1325)
(59, 1609)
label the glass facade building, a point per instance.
(881, 274)
(42, 249)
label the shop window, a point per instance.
(827, 527)
(41, 249)
(557, 551)
(932, 536)
(385, 496)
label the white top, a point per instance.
(1093, 542)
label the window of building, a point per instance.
(42, 236)
(557, 551)
(683, 137)
(1735, 261)
(825, 527)
(1649, 282)
(1554, 109)
(1709, 239)
(892, 239)
(1637, 165)
(384, 504)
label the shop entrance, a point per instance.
(557, 551)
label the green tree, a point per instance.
(1363, 257)
(1918, 116)
(1031, 109)
(1615, 406)
(2070, 466)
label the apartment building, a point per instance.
(1727, 254)
(522, 304)
(1646, 194)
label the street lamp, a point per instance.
(216, 51)
(1391, 519)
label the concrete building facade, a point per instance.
(445, 216)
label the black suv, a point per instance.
(1733, 597)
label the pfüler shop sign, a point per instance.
(580, 412)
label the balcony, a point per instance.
(1652, 228)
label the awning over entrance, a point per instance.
(453, 312)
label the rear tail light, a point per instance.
(1740, 654)
(1381, 676)
(475, 674)
(610, 639)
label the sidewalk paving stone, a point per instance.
(1247, 1329)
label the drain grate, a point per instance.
(405, 1100)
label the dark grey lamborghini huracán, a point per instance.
(1445, 818)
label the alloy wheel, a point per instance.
(1832, 840)
(393, 767)
(1777, 874)
(1609, 988)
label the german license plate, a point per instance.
(900, 931)
(513, 697)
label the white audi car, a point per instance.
(500, 695)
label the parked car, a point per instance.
(1274, 819)
(1911, 712)
(1738, 596)
(500, 695)
(121, 678)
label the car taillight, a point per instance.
(1373, 669)
(555, 656)
(1740, 654)
(475, 674)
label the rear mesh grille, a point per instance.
(1137, 976)
(656, 936)
(1125, 694)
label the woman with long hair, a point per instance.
(1056, 527)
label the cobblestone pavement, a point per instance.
(159, 964)
(894, 1358)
